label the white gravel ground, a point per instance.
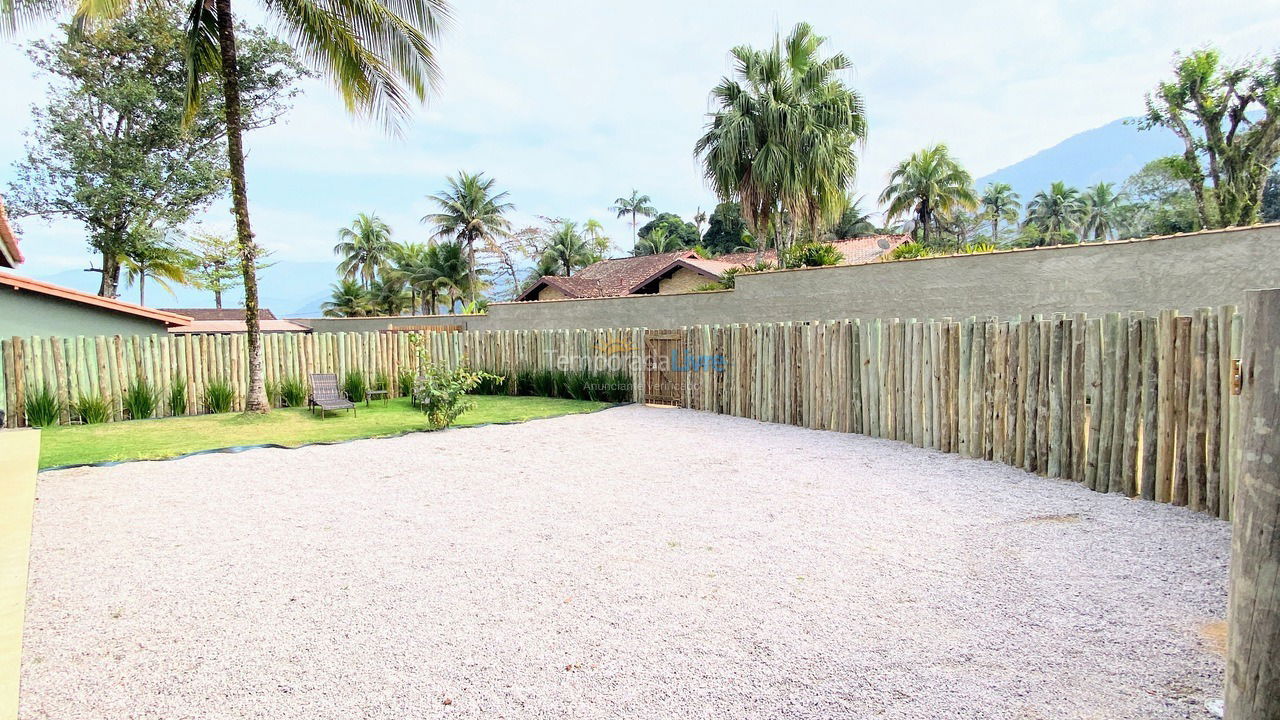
(639, 563)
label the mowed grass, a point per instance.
(169, 437)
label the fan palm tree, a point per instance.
(1056, 212)
(366, 249)
(379, 54)
(568, 249)
(162, 263)
(1000, 202)
(930, 185)
(1101, 210)
(470, 212)
(349, 299)
(782, 137)
(635, 206)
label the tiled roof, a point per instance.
(10, 254)
(22, 284)
(607, 278)
(219, 313)
(238, 326)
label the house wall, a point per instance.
(550, 293)
(1180, 271)
(26, 313)
(683, 280)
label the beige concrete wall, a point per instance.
(383, 323)
(683, 280)
(1181, 271)
(550, 293)
(19, 456)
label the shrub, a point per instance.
(977, 248)
(404, 381)
(178, 397)
(576, 384)
(491, 385)
(729, 278)
(140, 400)
(218, 396)
(909, 250)
(42, 407)
(442, 392)
(709, 287)
(92, 409)
(293, 392)
(272, 387)
(353, 384)
(810, 254)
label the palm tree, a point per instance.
(470, 212)
(380, 56)
(657, 242)
(349, 299)
(568, 249)
(593, 233)
(635, 206)
(699, 219)
(1056, 211)
(1000, 202)
(162, 263)
(1101, 209)
(366, 249)
(929, 185)
(782, 138)
(388, 295)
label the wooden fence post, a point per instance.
(1253, 646)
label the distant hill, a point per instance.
(1110, 153)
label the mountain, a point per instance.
(1110, 153)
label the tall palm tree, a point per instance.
(781, 140)
(1101, 210)
(379, 54)
(599, 242)
(1000, 202)
(160, 262)
(568, 249)
(929, 185)
(366, 249)
(699, 219)
(1056, 212)
(470, 212)
(349, 299)
(635, 206)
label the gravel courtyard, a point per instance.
(638, 563)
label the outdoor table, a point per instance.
(383, 394)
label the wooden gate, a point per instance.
(663, 385)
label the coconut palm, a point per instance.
(349, 299)
(388, 295)
(657, 242)
(380, 56)
(929, 185)
(160, 262)
(635, 206)
(1000, 202)
(568, 249)
(1056, 212)
(366, 249)
(781, 140)
(1101, 210)
(470, 212)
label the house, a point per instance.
(681, 271)
(32, 307)
(230, 320)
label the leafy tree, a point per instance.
(158, 260)
(1271, 198)
(568, 249)
(1101, 212)
(366, 249)
(1056, 213)
(1228, 118)
(930, 185)
(635, 205)
(215, 264)
(349, 299)
(1159, 201)
(1000, 204)
(782, 137)
(472, 213)
(724, 229)
(684, 233)
(380, 57)
(108, 147)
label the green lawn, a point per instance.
(149, 439)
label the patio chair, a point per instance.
(326, 395)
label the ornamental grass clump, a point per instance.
(140, 400)
(293, 392)
(354, 385)
(92, 409)
(218, 396)
(178, 397)
(42, 407)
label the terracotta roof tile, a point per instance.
(219, 313)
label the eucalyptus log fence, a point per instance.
(1135, 404)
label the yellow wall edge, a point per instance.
(19, 454)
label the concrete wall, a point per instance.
(384, 323)
(26, 313)
(19, 456)
(682, 280)
(1180, 271)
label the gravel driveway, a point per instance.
(639, 562)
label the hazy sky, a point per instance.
(570, 104)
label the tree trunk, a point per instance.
(471, 268)
(256, 400)
(1253, 617)
(110, 275)
(217, 299)
(142, 286)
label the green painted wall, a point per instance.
(25, 313)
